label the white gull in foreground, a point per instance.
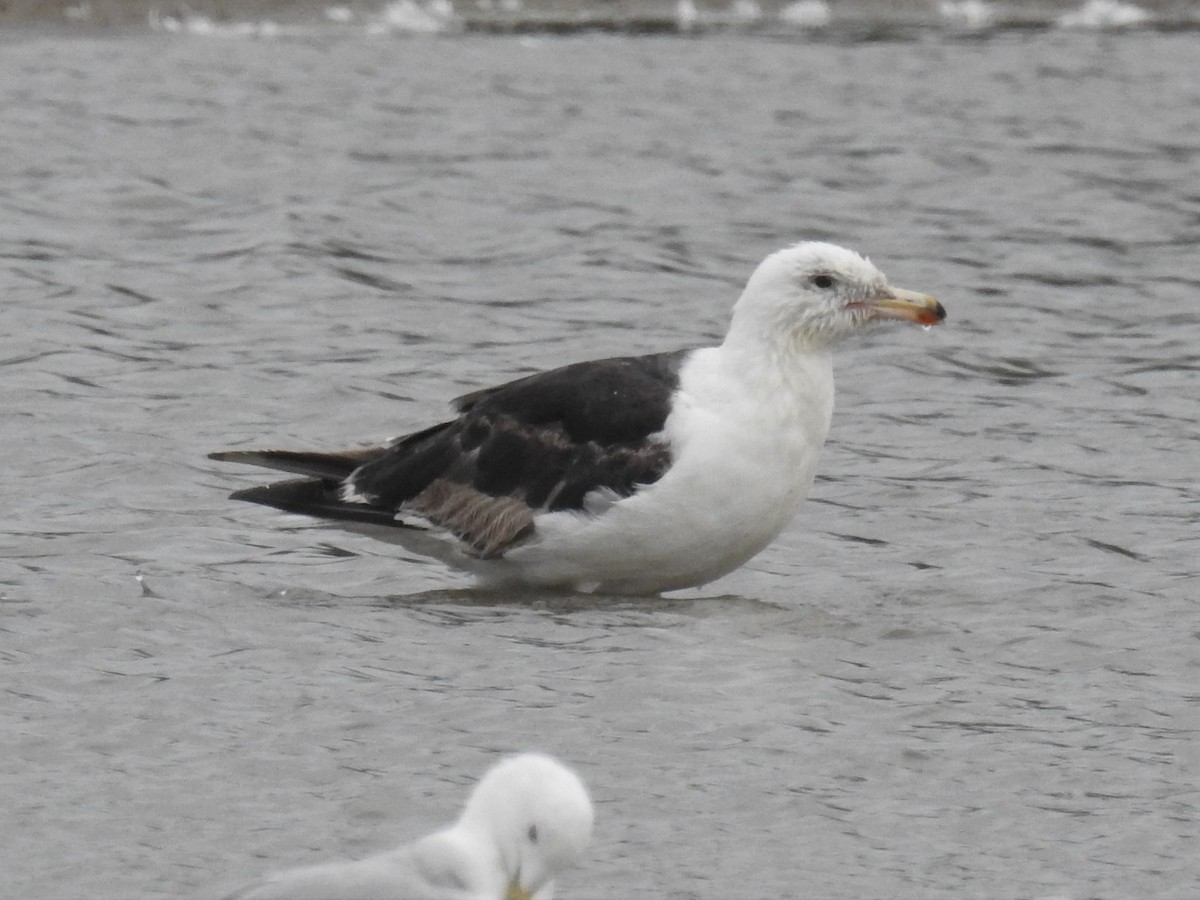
(527, 820)
(633, 475)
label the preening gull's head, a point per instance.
(537, 813)
(812, 294)
(527, 821)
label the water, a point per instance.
(850, 19)
(968, 669)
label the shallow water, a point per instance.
(968, 669)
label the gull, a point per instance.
(631, 475)
(527, 820)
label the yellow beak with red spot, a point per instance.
(897, 303)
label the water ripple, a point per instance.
(980, 615)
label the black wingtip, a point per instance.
(325, 466)
(317, 498)
(303, 495)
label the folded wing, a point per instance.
(547, 442)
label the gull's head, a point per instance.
(813, 294)
(537, 815)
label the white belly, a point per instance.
(740, 469)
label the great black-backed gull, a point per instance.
(527, 821)
(632, 475)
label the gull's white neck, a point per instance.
(780, 367)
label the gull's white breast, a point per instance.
(745, 437)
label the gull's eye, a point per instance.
(822, 281)
(532, 834)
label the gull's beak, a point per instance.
(516, 892)
(897, 303)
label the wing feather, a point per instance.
(545, 442)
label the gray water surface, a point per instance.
(968, 669)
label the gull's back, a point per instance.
(437, 867)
